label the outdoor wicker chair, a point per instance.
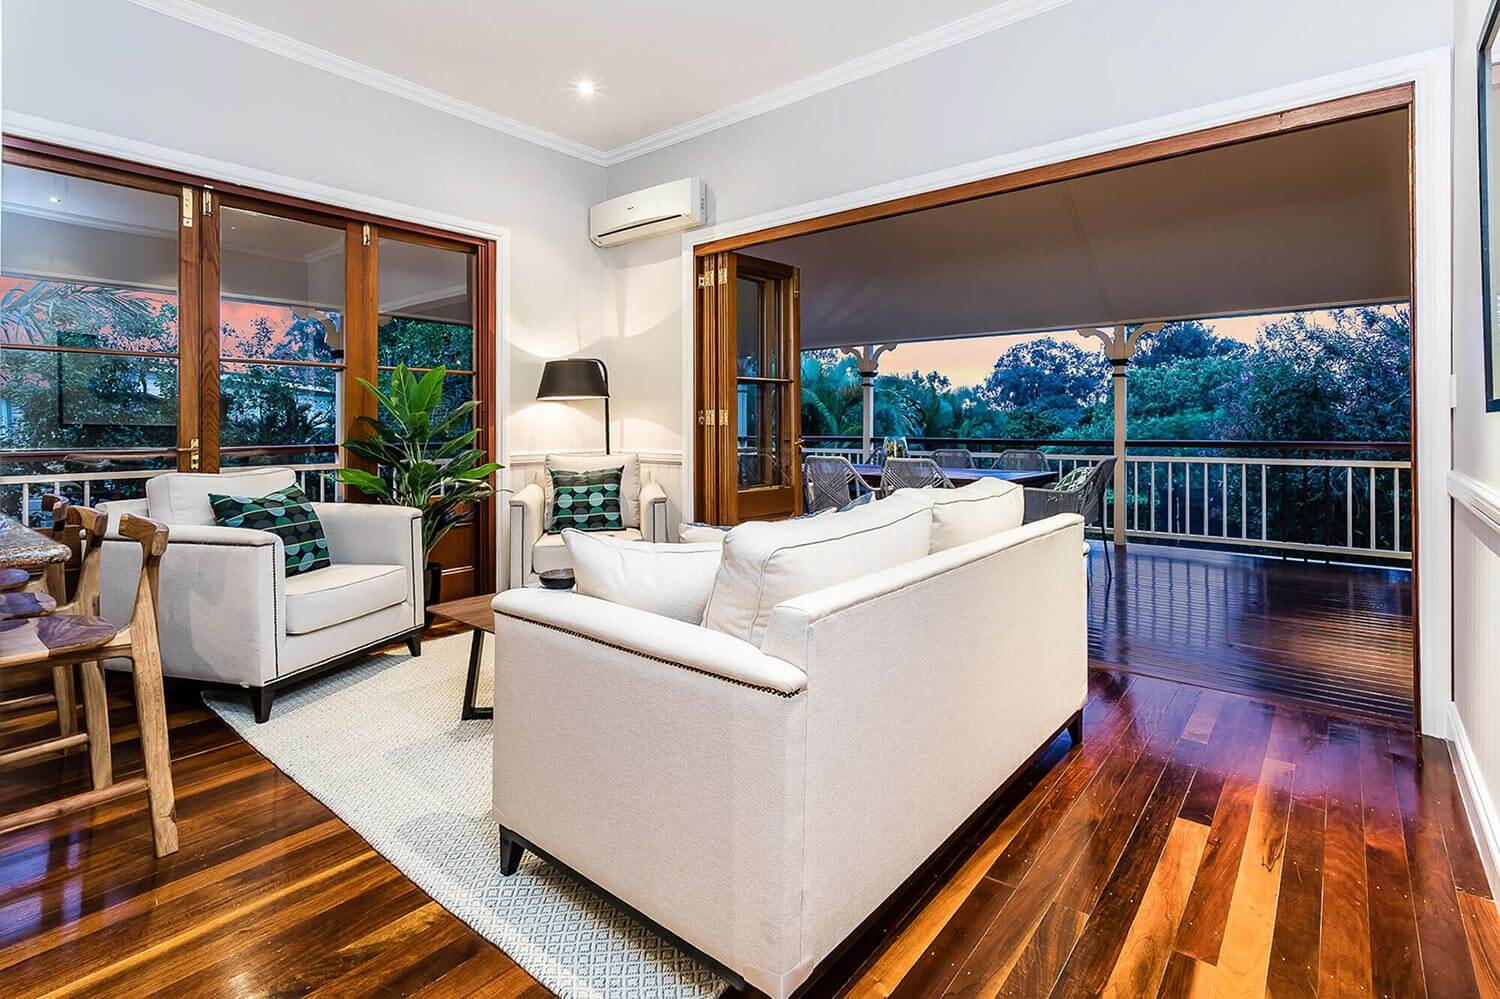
(1086, 500)
(831, 483)
(954, 457)
(911, 473)
(1016, 460)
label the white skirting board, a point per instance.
(1479, 806)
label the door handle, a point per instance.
(194, 453)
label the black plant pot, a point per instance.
(434, 583)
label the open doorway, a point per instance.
(1278, 558)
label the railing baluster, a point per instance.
(1395, 509)
(1153, 494)
(1244, 502)
(1263, 535)
(1224, 500)
(26, 504)
(1349, 506)
(1373, 545)
(1171, 510)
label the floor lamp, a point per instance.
(577, 378)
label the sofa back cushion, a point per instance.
(630, 480)
(971, 512)
(182, 497)
(768, 562)
(670, 580)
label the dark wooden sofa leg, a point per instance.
(260, 699)
(1075, 727)
(414, 644)
(510, 853)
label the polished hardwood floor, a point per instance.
(1199, 842)
(1335, 636)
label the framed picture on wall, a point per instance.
(1489, 198)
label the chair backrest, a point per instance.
(1086, 500)
(182, 497)
(831, 482)
(90, 527)
(152, 537)
(1018, 460)
(953, 457)
(911, 473)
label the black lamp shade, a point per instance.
(574, 378)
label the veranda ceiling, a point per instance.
(1307, 219)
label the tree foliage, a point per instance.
(1337, 375)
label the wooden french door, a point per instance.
(748, 465)
(161, 321)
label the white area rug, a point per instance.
(381, 744)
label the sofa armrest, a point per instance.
(222, 600)
(654, 512)
(649, 636)
(527, 508)
(371, 534)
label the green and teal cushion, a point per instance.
(287, 513)
(586, 501)
(1073, 480)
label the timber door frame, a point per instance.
(1422, 84)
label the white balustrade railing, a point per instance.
(1322, 506)
(318, 479)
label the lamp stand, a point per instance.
(606, 424)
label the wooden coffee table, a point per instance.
(472, 612)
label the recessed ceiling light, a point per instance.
(54, 199)
(585, 87)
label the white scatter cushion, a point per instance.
(977, 510)
(182, 497)
(702, 534)
(630, 480)
(670, 580)
(766, 563)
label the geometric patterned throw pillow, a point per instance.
(586, 501)
(1073, 480)
(287, 513)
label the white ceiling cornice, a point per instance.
(1004, 13)
(311, 55)
(906, 50)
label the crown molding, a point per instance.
(284, 45)
(907, 50)
(1005, 13)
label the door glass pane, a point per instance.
(426, 306)
(761, 461)
(281, 304)
(89, 266)
(757, 328)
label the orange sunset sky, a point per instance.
(968, 362)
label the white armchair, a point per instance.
(533, 550)
(229, 613)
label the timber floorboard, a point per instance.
(1199, 841)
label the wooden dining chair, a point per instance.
(86, 640)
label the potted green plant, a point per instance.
(415, 465)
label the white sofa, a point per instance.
(533, 550)
(756, 796)
(229, 613)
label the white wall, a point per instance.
(1476, 452)
(119, 69)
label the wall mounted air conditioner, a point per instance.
(670, 207)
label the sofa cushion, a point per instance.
(968, 513)
(585, 501)
(630, 480)
(286, 513)
(768, 562)
(550, 553)
(182, 497)
(665, 579)
(701, 534)
(339, 593)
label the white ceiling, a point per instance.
(659, 64)
(1304, 220)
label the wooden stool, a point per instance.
(65, 640)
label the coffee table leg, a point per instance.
(470, 684)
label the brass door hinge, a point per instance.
(723, 275)
(208, 202)
(367, 234)
(187, 207)
(705, 280)
(723, 417)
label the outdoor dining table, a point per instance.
(963, 476)
(34, 553)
